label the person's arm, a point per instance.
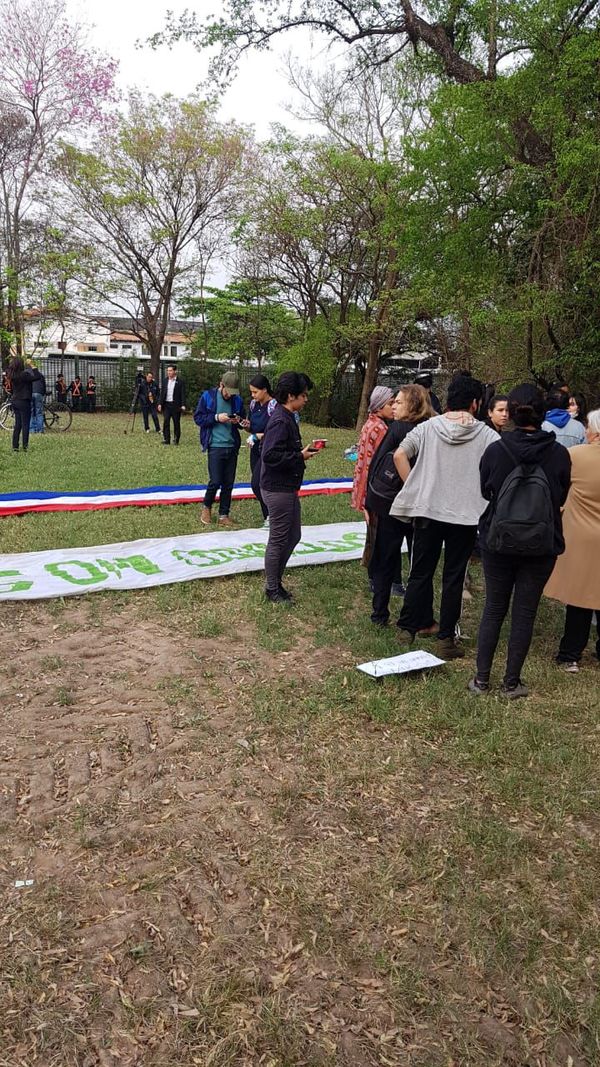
(401, 463)
(486, 470)
(182, 401)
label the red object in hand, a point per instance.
(319, 443)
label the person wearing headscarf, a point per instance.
(380, 414)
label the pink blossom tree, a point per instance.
(52, 87)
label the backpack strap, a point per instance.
(509, 453)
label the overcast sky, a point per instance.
(260, 90)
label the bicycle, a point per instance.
(57, 416)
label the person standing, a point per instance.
(38, 392)
(172, 403)
(411, 407)
(76, 391)
(20, 380)
(568, 431)
(575, 580)
(380, 413)
(283, 460)
(425, 378)
(60, 389)
(219, 413)
(577, 407)
(90, 395)
(526, 478)
(497, 414)
(441, 494)
(148, 396)
(261, 408)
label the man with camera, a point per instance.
(172, 403)
(219, 414)
(148, 394)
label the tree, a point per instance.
(247, 320)
(51, 85)
(148, 195)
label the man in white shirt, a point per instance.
(172, 403)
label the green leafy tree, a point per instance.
(149, 196)
(247, 320)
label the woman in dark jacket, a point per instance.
(521, 577)
(411, 406)
(20, 379)
(261, 408)
(281, 472)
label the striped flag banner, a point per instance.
(96, 499)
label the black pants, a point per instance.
(171, 412)
(150, 409)
(386, 562)
(429, 539)
(255, 480)
(578, 624)
(285, 531)
(22, 410)
(76, 402)
(91, 403)
(222, 463)
(525, 576)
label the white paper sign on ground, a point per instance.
(403, 664)
(163, 560)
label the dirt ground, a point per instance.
(209, 887)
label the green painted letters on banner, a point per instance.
(14, 587)
(94, 574)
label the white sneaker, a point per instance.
(571, 668)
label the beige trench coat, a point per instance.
(576, 577)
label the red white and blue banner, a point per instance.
(97, 499)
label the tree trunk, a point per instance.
(370, 379)
(376, 339)
(155, 347)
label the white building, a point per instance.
(47, 338)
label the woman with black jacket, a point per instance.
(282, 469)
(521, 577)
(20, 379)
(411, 406)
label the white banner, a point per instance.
(160, 561)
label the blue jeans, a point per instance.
(36, 423)
(222, 463)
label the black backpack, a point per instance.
(384, 482)
(522, 522)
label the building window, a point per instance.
(126, 348)
(92, 348)
(173, 351)
(113, 345)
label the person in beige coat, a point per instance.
(575, 580)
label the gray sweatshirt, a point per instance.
(444, 482)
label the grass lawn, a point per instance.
(246, 853)
(96, 453)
